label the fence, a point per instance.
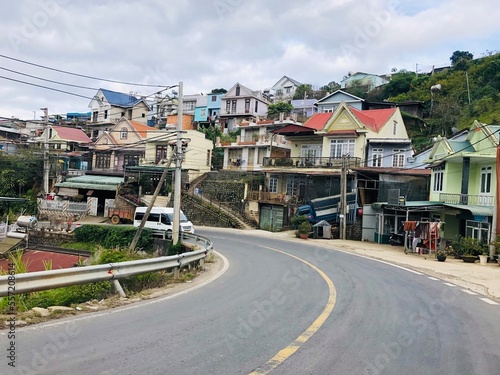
(13, 284)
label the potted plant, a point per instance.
(472, 248)
(304, 229)
(456, 247)
(441, 254)
(485, 250)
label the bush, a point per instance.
(114, 236)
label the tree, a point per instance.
(218, 91)
(302, 90)
(460, 59)
(280, 107)
(460, 55)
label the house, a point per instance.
(120, 147)
(69, 151)
(110, 106)
(331, 101)
(284, 89)
(305, 108)
(207, 112)
(375, 138)
(462, 189)
(365, 81)
(240, 104)
(464, 181)
(190, 102)
(255, 144)
(160, 148)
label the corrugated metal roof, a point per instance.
(109, 183)
(474, 210)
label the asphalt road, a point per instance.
(337, 314)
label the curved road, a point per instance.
(282, 307)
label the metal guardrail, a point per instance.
(13, 284)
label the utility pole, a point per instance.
(46, 166)
(178, 171)
(343, 197)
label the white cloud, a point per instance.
(213, 44)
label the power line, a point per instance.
(45, 87)
(79, 75)
(48, 80)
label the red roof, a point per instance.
(373, 119)
(318, 120)
(71, 134)
(294, 129)
(34, 260)
(141, 128)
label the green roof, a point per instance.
(475, 210)
(92, 182)
(461, 146)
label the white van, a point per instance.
(162, 218)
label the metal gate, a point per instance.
(271, 218)
(369, 223)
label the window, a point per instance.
(341, 147)
(273, 184)
(131, 160)
(438, 173)
(214, 98)
(161, 153)
(233, 106)
(105, 114)
(237, 91)
(103, 161)
(123, 133)
(394, 127)
(485, 180)
(189, 106)
(478, 230)
(398, 158)
(228, 106)
(279, 92)
(247, 105)
(94, 116)
(328, 110)
(256, 106)
(288, 90)
(377, 155)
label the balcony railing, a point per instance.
(311, 162)
(472, 200)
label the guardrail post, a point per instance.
(119, 288)
(176, 272)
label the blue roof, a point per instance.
(120, 99)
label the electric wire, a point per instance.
(80, 75)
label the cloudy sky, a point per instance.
(210, 44)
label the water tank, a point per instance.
(28, 222)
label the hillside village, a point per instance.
(259, 166)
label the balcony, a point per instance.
(311, 162)
(471, 200)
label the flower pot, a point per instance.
(469, 258)
(441, 258)
(483, 259)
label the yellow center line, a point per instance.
(287, 352)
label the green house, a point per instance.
(463, 179)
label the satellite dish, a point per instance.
(454, 130)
